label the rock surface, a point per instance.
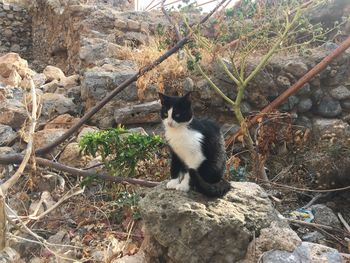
(306, 252)
(188, 225)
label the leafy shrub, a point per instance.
(119, 149)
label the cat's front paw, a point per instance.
(173, 183)
(183, 186)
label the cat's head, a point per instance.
(176, 111)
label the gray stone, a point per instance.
(98, 81)
(181, 224)
(313, 237)
(133, 25)
(7, 33)
(57, 104)
(345, 104)
(304, 105)
(325, 216)
(121, 24)
(283, 82)
(298, 69)
(329, 108)
(305, 253)
(317, 95)
(323, 126)
(340, 93)
(305, 90)
(12, 113)
(6, 134)
(329, 46)
(139, 113)
(290, 103)
(15, 48)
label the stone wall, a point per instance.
(15, 30)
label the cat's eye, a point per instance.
(177, 115)
(166, 114)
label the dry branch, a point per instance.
(122, 86)
(294, 88)
(17, 158)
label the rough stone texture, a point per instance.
(15, 30)
(329, 107)
(179, 224)
(278, 236)
(6, 134)
(304, 105)
(64, 121)
(340, 93)
(57, 104)
(71, 156)
(44, 137)
(11, 62)
(53, 73)
(298, 69)
(306, 252)
(12, 113)
(324, 215)
(138, 113)
(323, 126)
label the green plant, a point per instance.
(119, 149)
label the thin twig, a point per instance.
(310, 190)
(177, 31)
(315, 198)
(346, 225)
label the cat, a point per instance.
(197, 148)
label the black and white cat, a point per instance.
(197, 149)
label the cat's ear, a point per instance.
(161, 97)
(187, 96)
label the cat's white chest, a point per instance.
(186, 143)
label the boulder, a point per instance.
(44, 137)
(7, 135)
(12, 113)
(71, 156)
(138, 113)
(53, 73)
(64, 121)
(296, 68)
(306, 252)
(56, 104)
(190, 226)
(322, 126)
(325, 216)
(340, 93)
(12, 61)
(329, 108)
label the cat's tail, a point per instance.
(218, 189)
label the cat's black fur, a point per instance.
(208, 177)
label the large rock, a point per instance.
(340, 93)
(306, 252)
(44, 137)
(12, 61)
(325, 216)
(190, 226)
(12, 113)
(296, 68)
(139, 113)
(53, 73)
(57, 104)
(329, 107)
(7, 135)
(71, 156)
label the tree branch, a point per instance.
(17, 158)
(295, 87)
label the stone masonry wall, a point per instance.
(15, 30)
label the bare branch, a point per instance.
(176, 28)
(17, 158)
